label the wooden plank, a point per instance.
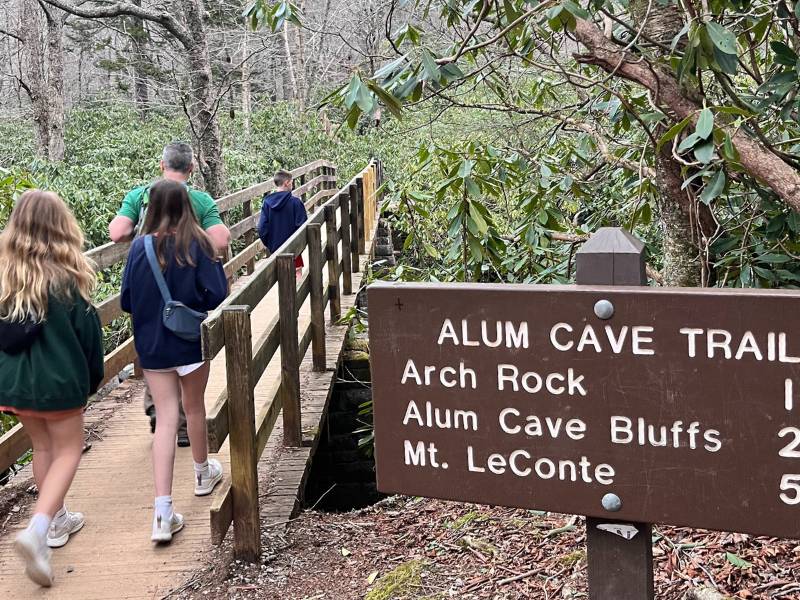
(265, 348)
(353, 195)
(263, 351)
(14, 443)
(118, 359)
(250, 236)
(333, 264)
(303, 289)
(217, 422)
(241, 418)
(318, 197)
(258, 286)
(250, 294)
(305, 340)
(347, 260)
(311, 184)
(221, 512)
(244, 226)
(317, 311)
(361, 237)
(108, 255)
(109, 309)
(230, 201)
(267, 424)
(243, 258)
(290, 359)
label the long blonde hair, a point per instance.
(41, 252)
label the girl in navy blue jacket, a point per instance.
(173, 367)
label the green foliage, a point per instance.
(741, 66)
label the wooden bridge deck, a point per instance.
(112, 557)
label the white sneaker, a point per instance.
(204, 484)
(36, 555)
(163, 529)
(59, 533)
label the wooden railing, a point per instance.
(233, 416)
(317, 182)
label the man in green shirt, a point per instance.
(177, 164)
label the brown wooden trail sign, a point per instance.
(683, 404)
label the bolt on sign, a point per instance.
(653, 405)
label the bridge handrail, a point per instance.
(15, 442)
(233, 415)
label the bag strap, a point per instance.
(156, 268)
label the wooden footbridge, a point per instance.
(274, 356)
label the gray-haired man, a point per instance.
(177, 164)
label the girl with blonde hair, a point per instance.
(51, 359)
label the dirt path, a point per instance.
(404, 549)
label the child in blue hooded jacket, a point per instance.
(281, 215)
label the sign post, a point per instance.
(625, 403)
(619, 566)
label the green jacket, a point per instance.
(62, 367)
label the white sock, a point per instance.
(60, 515)
(163, 506)
(201, 468)
(39, 524)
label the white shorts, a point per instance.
(182, 371)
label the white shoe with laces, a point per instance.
(205, 483)
(36, 554)
(61, 529)
(164, 528)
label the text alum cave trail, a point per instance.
(683, 404)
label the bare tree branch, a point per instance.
(119, 9)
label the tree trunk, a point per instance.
(686, 226)
(202, 105)
(300, 57)
(140, 36)
(246, 90)
(32, 32)
(685, 230)
(289, 64)
(55, 84)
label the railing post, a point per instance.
(314, 239)
(347, 266)
(332, 171)
(361, 237)
(242, 433)
(333, 263)
(290, 351)
(249, 236)
(353, 218)
(371, 200)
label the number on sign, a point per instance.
(790, 483)
(790, 450)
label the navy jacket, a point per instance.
(281, 215)
(202, 288)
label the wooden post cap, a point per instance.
(612, 256)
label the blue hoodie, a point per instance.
(281, 215)
(202, 287)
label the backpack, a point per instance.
(137, 229)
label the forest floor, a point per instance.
(407, 548)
